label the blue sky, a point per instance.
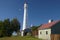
(39, 11)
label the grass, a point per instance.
(19, 38)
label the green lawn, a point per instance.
(19, 38)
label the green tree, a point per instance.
(15, 25)
(1, 28)
(34, 28)
(7, 27)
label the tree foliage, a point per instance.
(1, 28)
(15, 24)
(34, 28)
(7, 27)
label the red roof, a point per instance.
(48, 25)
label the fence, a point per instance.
(55, 36)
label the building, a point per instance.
(45, 31)
(35, 33)
(27, 32)
(14, 33)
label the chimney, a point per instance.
(50, 21)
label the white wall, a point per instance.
(43, 34)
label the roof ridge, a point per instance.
(48, 25)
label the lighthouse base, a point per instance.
(22, 33)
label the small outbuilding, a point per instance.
(46, 31)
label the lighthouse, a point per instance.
(24, 18)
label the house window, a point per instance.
(40, 32)
(46, 32)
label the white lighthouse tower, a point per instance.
(24, 18)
